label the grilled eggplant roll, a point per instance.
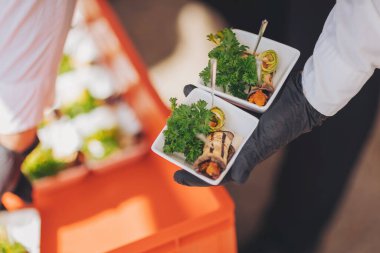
(217, 152)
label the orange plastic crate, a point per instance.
(137, 209)
(134, 205)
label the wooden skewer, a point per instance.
(263, 26)
(214, 64)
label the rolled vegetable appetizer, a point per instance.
(269, 60)
(260, 94)
(217, 152)
(217, 120)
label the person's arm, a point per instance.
(32, 35)
(344, 58)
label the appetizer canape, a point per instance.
(237, 68)
(209, 156)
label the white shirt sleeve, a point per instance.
(32, 35)
(345, 56)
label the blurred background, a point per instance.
(93, 171)
(170, 36)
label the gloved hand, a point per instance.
(10, 163)
(288, 117)
(11, 178)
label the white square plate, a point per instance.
(23, 226)
(287, 58)
(237, 121)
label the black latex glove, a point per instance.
(10, 163)
(287, 118)
(11, 178)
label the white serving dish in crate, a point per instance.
(23, 226)
(237, 121)
(287, 58)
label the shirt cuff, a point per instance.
(329, 82)
(22, 105)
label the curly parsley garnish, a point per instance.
(236, 70)
(185, 122)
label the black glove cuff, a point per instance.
(289, 116)
(10, 164)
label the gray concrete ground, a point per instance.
(170, 37)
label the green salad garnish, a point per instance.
(236, 69)
(84, 103)
(65, 65)
(41, 163)
(185, 122)
(106, 141)
(7, 247)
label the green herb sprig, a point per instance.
(236, 70)
(185, 122)
(41, 163)
(65, 65)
